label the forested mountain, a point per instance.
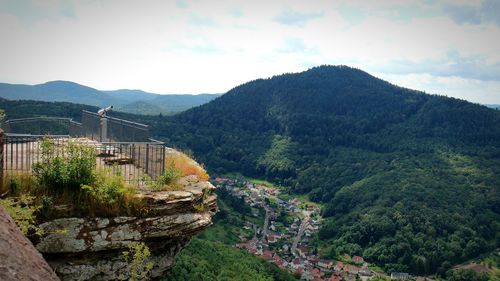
(129, 96)
(56, 91)
(132, 101)
(166, 104)
(408, 180)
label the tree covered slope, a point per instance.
(408, 180)
(212, 261)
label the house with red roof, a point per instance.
(296, 263)
(325, 264)
(316, 273)
(357, 259)
(302, 251)
(268, 255)
(272, 237)
(279, 261)
(351, 269)
(241, 246)
(339, 266)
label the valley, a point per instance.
(284, 238)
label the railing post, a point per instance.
(163, 160)
(147, 158)
(1, 158)
(104, 130)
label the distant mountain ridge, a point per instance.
(132, 101)
(494, 106)
(140, 102)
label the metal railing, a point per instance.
(123, 130)
(21, 151)
(91, 125)
(137, 162)
(134, 160)
(116, 129)
(43, 126)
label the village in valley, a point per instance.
(287, 231)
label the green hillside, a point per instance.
(409, 180)
(212, 261)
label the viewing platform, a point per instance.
(121, 146)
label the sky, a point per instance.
(448, 47)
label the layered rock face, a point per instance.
(91, 248)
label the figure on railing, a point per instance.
(102, 112)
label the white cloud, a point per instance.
(295, 18)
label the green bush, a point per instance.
(107, 189)
(65, 168)
(23, 213)
(138, 258)
(108, 194)
(168, 179)
(46, 207)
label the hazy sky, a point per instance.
(194, 46)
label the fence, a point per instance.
(123, 130)
(98, 128)
(43, 126)
(138, 162)
(93, 127)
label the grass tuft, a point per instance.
(186, 165)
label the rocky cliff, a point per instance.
(92, 248)
(17, 254)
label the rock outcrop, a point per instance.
(19, 259)
(91, 248)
